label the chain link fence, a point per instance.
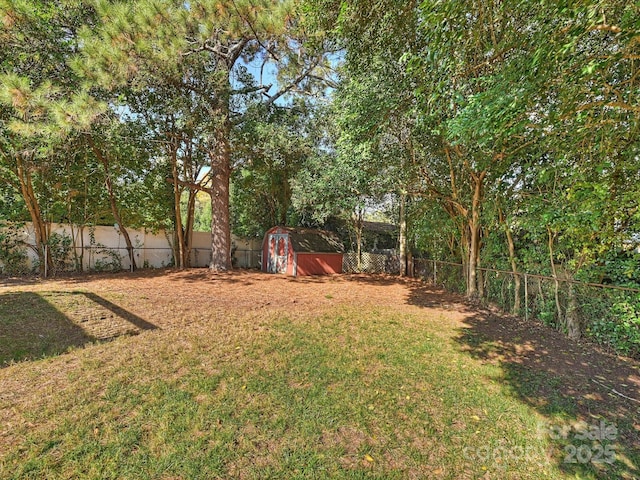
(371, 263)
(606, 314)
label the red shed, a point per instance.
(301, 251)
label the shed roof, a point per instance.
(310, 240)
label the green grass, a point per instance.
(355, 393)
(31, 326)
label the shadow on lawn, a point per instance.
(30, 328)
(37, 325)
(204, 275)
(79, 278)
(583, 392)
(580, 389)
(192, 275)
(130, 317)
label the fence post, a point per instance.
(435, 273)
(526, 298)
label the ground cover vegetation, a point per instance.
(187, 374)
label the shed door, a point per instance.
(278, 252)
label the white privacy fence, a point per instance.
(104, 248)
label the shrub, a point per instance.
(13, 252)
(620, 330)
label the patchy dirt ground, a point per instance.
(107, 306)
(110, 305)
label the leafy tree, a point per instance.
(274, 147)
(203, 49)
(174, 123)
(486, 110)
(38, 95)
(122, 156)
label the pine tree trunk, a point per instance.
(220, 180)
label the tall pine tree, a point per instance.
(219, 52)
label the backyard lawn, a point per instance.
(185, 375)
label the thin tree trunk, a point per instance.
(81, 256)
(464, 250)
(572, 320)
(474, 241)
(74, 245)
(451, 243)
(177, 194)
(480, 276)
(84, 224)
(403, 235)
(112, 202)
(514, 269)
(512, 261)
(39, 225)
(358, 229)
(474, 234)
(555, 276)
(118, 219)
(188, 229)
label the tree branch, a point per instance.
(244, 91)
(255, 34)
(235, 51)
(192, 185)
(295, 83)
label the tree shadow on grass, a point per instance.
(117, 310)
(30, 328)
(37, 325)
(192, 275)
(204, 275)
(591, 398)
(81, 278)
